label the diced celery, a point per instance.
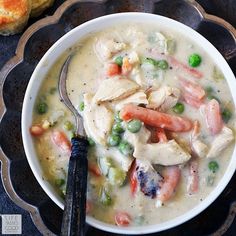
(68, 125)
(116, 176)
(171, 46)
(217, 74)
(104, 197)
(210, 180)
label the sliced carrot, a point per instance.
(61, 141)
(192, 93)
(122, 219)
(133, 178)
(171, 176)
(193, 89)
(155, 118)
(113, 69)
(191, 71)
(191, 100)
(193, 179)
(213, 116)
(36, 130)
(94, 169)
(196, 128)
(126, 66)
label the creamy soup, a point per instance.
(158, 115)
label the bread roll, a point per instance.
(38, 6)
(14, 15)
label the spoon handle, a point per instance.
(73, 221)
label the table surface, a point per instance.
(222, 8)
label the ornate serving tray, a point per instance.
(18, 180)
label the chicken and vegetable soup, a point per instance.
(158, 115)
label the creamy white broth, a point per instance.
(86, 72)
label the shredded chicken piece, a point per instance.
(198, 147)
(115, 89)
(137, 77)
(160, 43)
(164, 98)
(133, 57)
(106, 48)
(221, 141)
(149, 179)
(135, 37)
(98, 120)
(136, 98)
(165, 154)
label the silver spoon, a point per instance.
(73, 221)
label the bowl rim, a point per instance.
(67, 41)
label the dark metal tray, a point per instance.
(18, 180)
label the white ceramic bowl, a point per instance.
(71, 39)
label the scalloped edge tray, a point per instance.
(19, 57)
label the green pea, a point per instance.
(68, 125)
(91, 142)
(117, 117)
(119, 60)
(126, 148)
(163, 64)
(113, 140)
(213, 166)
(104, 197)
(194, 60)
(118, 128)
(209, 90)
(59, 182)
(81, 106)
(134, 126)
(42, 108)
(178, 108)
(116, 176)
(226, 115)
(151, 61)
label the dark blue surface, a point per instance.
(223, 8)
